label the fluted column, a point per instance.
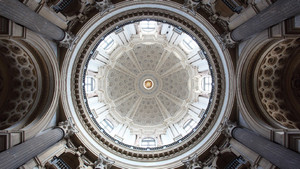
(21, 14)
(277, 154)
(275, 13)
(20, 154)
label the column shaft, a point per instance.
(22, 153)
(275, 13)
(277, 154)
(21, 14)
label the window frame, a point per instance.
(187, 126)
(148, 140)
(148, 29)
(206, 83)
(189, 43)
(107, 125)
(107, 43)
(90, 86)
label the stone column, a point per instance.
(21, 14)
(20, 154)
(275, 13)
(277, 154)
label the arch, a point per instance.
(224, 102)
(41, 80)
(253, 111)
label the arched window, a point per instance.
(189, 125)
(189, 43)
(206, 83)
(148, 142)
(148, 26)
(107, 43)
(89, 84)
(107, 125)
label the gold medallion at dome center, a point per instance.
(148, 84)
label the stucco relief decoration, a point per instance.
(139, 83)
(20, 88)
(269, 83)
(68, 127)
(193, 162)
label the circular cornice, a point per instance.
(221, 66)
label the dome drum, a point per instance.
(215, 101)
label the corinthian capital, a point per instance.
(68, 127)
(227, 127)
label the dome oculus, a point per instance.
(148, 84)
(151, 82)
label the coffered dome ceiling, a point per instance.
(151, 91)
(147, 82)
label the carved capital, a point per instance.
(227, 127)
(103, 162)
(214, 150)
(193, 162)
(208, 7)
(104, 6)
(68, 127)
(191, 5)
(68, 41)
(227, 41)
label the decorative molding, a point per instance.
(82, 16)
(104, 6)
(68, 41)
(268, 76)
(210, 50)
(191, 5)
(103, 162)
(193, 162)
(79, 151)
(68, 127)
(214, 150)
(226, 127)
(76, 100)
(214, 18)
(226, 41)
(21, 88)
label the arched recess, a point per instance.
(35, 84)
(259, 83)
(47, 51)
(251, 117)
